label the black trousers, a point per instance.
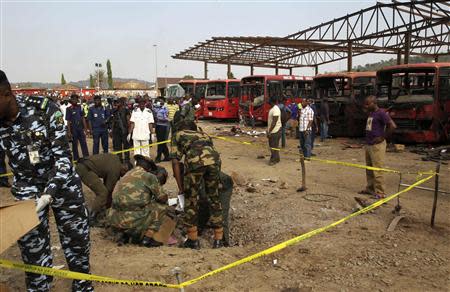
(162, 134)
(120, 142)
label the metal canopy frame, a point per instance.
(419, 28)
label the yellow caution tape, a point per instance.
(139, 147)
(304, 236)
(79, 276)
(275, 248)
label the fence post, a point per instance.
(436, 191)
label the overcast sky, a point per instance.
(41, 39)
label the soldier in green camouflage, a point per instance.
(139, 203)
(187, 111)
(201, 163)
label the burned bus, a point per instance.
(257, 89)
(345, 93)
(418, 100)
(222, 99)
(195, 88)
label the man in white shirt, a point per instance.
(274, 130)
(141, 126)
(306, 119)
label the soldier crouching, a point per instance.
(33, 134)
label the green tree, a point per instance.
(230, 75)
(63, 80)
(109, 73)
(188, 77)
(91, 81)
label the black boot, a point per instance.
(218, 243)
(150, 242)
(194, 244)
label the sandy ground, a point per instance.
(357, 255)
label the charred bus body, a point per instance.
(256, 91)
(222, 99)
(345, 92)
(196, 89)
(418, 100)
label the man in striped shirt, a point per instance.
(306, 119)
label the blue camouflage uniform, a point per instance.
(98, 117)
(40, 159)
(75, 115)
(3, 177)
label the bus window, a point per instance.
(444, 84)
(274, 89)
(233, 90)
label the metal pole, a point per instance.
(228, 69)
(436, 192)
(407, 47)
(399, 57)
(436, 58)
(290, 71)
(205, 70)
(156, 67)
(316, 69)
(177, 272)
(251, 69)
(276, 69)
(349, 57)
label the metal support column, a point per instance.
(205, 70)
(228, 69)
(349, 57)
(399, 57)
(290, 71)
(316, 69)
(276, 69)
(407, 47)
(436, 58)
(252, 69)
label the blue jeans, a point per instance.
(97, 135)
(305, 143)
(323, 130)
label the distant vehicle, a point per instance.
(175, 91)
(418, 100)
(257, 89)
(345, 92)
(195, 88)
(222, 99)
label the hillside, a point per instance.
(413, 60)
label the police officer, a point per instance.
(3, 178)
(33, 133)
(119, 129)
(201, 164)
(98, 118)
(76, 126)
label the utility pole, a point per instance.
(98, 66)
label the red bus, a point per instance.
(257, 89)
(345, 93)
(222, 99)
(195, 88)
(418, 100)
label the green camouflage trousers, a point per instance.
(193, 180)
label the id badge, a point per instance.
(33, 153)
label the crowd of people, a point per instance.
(130, 201)
(35, 133)
(302, 120)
